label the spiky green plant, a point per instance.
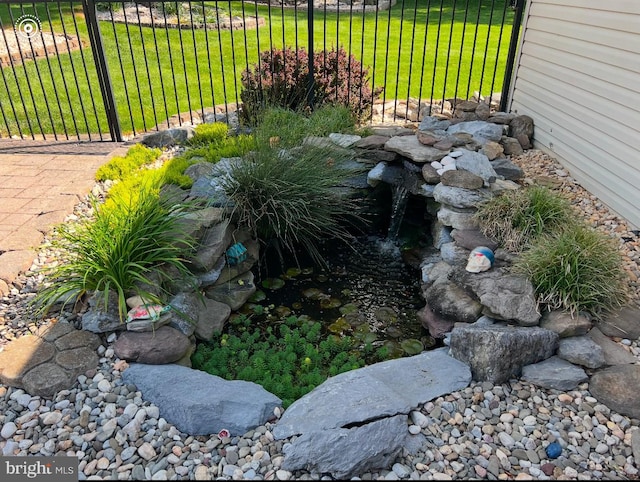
(577, 269)
(516, 218)
(293, 197)
(126, 245)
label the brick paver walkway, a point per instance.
(40, 183)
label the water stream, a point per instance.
(400, 197)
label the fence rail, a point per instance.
(111, 69)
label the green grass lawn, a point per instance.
(406, 49)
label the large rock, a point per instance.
(521, 127)
(480, 130)
(168, 137)
(211, 319)
(457, 218)
(374, 392)
(565, 324)
(201, 404)
(213, 245)
(623, 323)
(437, 325)
(185, 312)
(101, 319)
(347, 452)
(507, 169)
(505, 296)
(411, 147)
(472, 238)
(460, 198)
(554, 373)
(617, 388)
(497, 353)
(581, 350)
(460, 178)
(235, 292)
(477, 164)
(449, 301)
(614, 354)
(165, 345)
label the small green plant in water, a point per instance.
(289, 359)
(130, 243)
(577, 269)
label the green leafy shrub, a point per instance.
(280, 79)
(173, 172)
(576, 269)
(288, 359)
(120, 167)
(516, 218)
(293, 198)
(129, 243)
(209, 133)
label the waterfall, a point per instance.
(400, 197)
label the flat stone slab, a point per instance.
(554, 373)
(380, 390)
(411, 147)
(50, 360)
(201, 404)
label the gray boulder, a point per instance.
(431, 123)
(511, 146)
(168, 137)
(212, 247)
(477, 164)
(554, 373)
(374, 392)
(614, 354)
(459, 197)
(185, 312)
(565, 324)
(581, 350)
(449, 301)
(211, 319)
(453, 254)
(521, 127)
(411, 147)
(480, 130)
(201, 404)
(100, 318)
(460, 178)
(347, 452)
(507, 169)
(235, 292)
(497, 353)
(617, 388)
(505, 296)
(457, 218)
(165, 345)
(623, 323)
(472, 238)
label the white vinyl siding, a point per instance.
(578, 76)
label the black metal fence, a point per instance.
(111, 69)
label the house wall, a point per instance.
(578, 76)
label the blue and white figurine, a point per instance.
(480, 259)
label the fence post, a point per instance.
(310, 81)
(102, 69)
(511, 56)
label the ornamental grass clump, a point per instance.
(515, 219)
(577, 269)
(130, 242)
(293, 198)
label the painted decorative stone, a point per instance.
(236, 254)
(480, 259)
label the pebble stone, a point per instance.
(483, 431)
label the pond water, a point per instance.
(366, 291)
